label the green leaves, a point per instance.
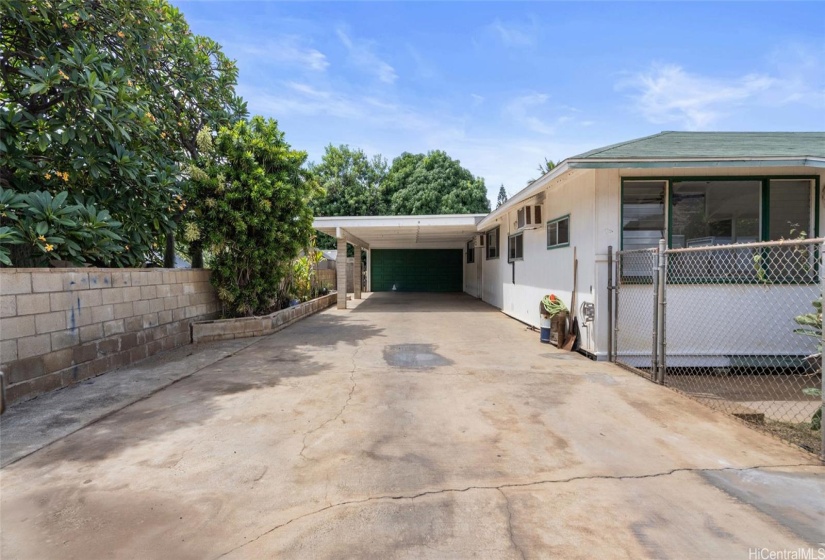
(250, 204)
(351, 182)
(103, 100)
(51, 228)
(432, 184)
(811, 322)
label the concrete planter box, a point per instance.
(244, 327)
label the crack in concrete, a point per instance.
(508, 485)
(510, 524)
(340, 412)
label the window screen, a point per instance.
(643, 214)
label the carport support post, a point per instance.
(341, 273)
(368, 287)
(356, 273)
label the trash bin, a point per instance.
(544, 331)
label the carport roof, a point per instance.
(442, 231)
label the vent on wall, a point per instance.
(479, 240)
(529, 217)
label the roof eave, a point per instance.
(527, 192)
(656, 163)
(636, 163)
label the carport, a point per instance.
(404, 253)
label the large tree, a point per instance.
(432, 184)
(104, 100)
(351, 182)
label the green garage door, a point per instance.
(417, 270)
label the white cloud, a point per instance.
(667, 93)
(531, 111)
(298, 99)
(362, 56)
(286, 50)
(424, 68)
(801, 71)
(522, 110)
(514, 34)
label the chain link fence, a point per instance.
(740, 329)
(636, 303)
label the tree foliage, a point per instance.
(252, 212)
(432, 184)
(350, 180)
(104, 100)
(48, 229)
(544, 168)
(502, 197)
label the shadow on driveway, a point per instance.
(195, 399)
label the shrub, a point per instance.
(250, 209)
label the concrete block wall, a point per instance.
(244, 327)
(60, 326)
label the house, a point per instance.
(690, 188)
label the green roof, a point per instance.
(687, 145)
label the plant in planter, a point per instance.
(811, 325)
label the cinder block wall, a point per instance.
(60, 326)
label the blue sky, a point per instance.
(500, 86)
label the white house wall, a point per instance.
(472, 273)
(493, 272)
(544, 271)
(593, 200)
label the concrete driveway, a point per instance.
(412, 426)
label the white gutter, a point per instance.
(435, 220)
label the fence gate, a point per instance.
(634, 326)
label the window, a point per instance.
(558, 232)
(492, 244)
(515, 245)
(471, 252)
(643, 214)
(720, 211)
(715, 212)
(790, 209)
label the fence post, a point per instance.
(617, 285)
(654, 351)
(610, 303)
(660, 315)
(821, 262)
